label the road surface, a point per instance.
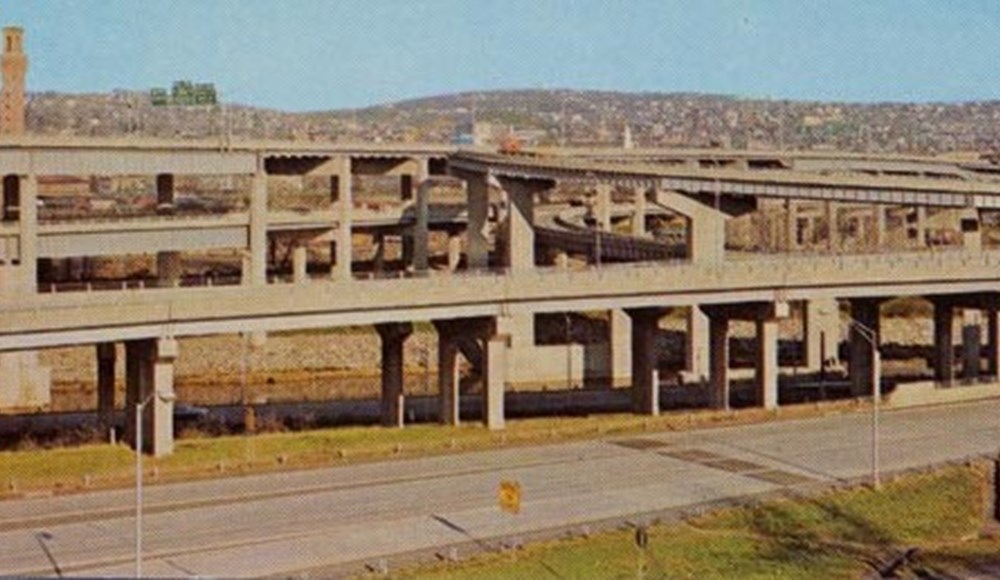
(346, 516)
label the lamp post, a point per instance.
(871, 336)
(165, 396)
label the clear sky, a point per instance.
(322, 54)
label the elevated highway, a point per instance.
(492, 300)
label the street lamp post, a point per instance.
(871, 336)
(139, 409)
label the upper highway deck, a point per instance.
(43, 320)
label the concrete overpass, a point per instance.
(505, 282)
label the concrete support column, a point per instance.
(168, 264)
(878, 227)
(863, 359)
(921, 226)
(454, 252)
(378, 261)
(821, 332)
(393, 335)
(972, 237)
(993, 341)
(409, 182)
(620, 331)
(639, 213)
(28, 231)
(706, 234)
(448, 374)
(255, 266)
(300, 263)
(421, 229)
(602, 206)
(766, 371)
(149, 377)
(164, 189)
(645, 376)
(495, 375)
(791, 237)
(718, 339)
(520, 251)
(831, 210)
(697, 344)
(971, 347)
(944, 346)
(105, 386)
(343, 195)
(169, 269)
(562, 260)
(477, 245)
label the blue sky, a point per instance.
(321, 54)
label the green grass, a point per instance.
(91, 466)
(834, 535)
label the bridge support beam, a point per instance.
(378, 260)
(619, 339)
(944, 345)
(255, 264)
(972, 237)
(878, 227)
(342, 196)
(863, 343)
(519, 246)
(645, 374)
(393, 335)
(697, 346)
(449, 332)
(706, 233)
(766, 370)
(766, 316)
(26, 191)
(106, 386)
(971, 344)
(300, 262)
(993, 341)
(168, 264)
(831, 209)
(718, 375)
(477, 244)
(149, 379)
(495, 374)
(602, 206)
(454, 251)
(421, 229)
(639, 212)
(821, 332)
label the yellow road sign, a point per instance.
(509, 496)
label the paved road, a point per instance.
(283, 523)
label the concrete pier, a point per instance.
(393, 335)
(477, 245)
(863, 342)
(645, 381)
(106, 358)
(495, 379)
(944, 345)
(821, 333)
(149, 380)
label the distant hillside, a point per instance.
(554, 116)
